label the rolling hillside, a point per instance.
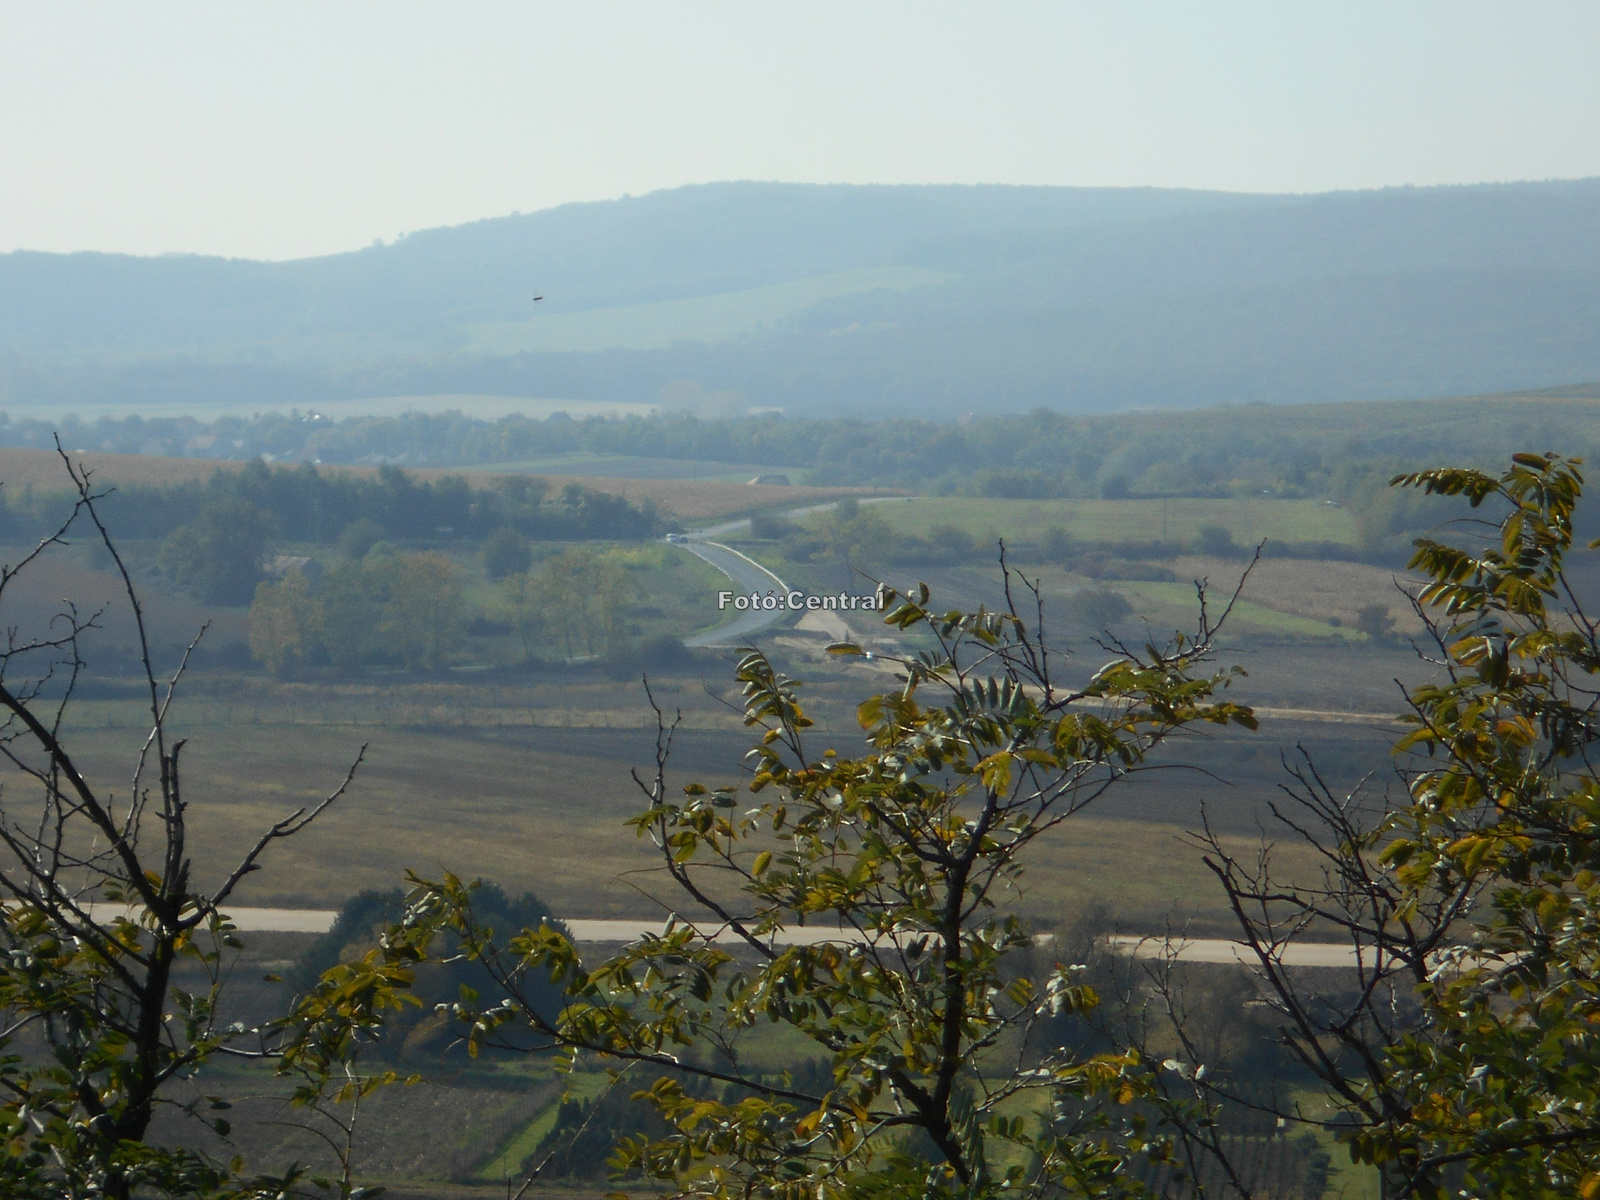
(932, 301)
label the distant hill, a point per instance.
(819, 300)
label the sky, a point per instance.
(292, 129)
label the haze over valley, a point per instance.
(831, 300)
(877, 602)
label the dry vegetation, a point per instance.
(440, 1131)
(688, 499)
(1313, 588)
(542, 806)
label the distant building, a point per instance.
(770, 481)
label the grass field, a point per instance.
(1180, 520)
(715, 318)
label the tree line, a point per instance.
(306, 504)
(388, 608)
(215, 535)
(1340, 450)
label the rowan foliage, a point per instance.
(906, 858)
(1460, 1051)
(1505, 1078)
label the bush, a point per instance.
(1018, 485)
(416, 1031)
(945, 544)
(661, 653)
(506, 552)
(1374, 621)
(1215, 541)
(952, 543)
(1058, 547)
(359, 537)
(770, 527)
(1098, 608)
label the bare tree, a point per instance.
(104, 916)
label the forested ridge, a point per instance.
(853, 300)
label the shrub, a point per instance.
(1374, 621)
(506, 552)
(359, 537)
(770, 527)
(1215, 541)
(1099, 608)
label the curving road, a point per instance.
(747, 576)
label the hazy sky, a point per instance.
(279, 130)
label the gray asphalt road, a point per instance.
(1203, 950)
(744, 578)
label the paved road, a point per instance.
(1199, 950)
(254, 920)
(746, 576)
(1219, 950)
(716, 531)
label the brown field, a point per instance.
(689, 499)
(695, 499)
(41, 469)
(1313, 588)
(543, 807)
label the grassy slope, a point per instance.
(718, 317)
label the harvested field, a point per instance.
(1313, 588)
(544, 808)
(41, 469)
(688, 499)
